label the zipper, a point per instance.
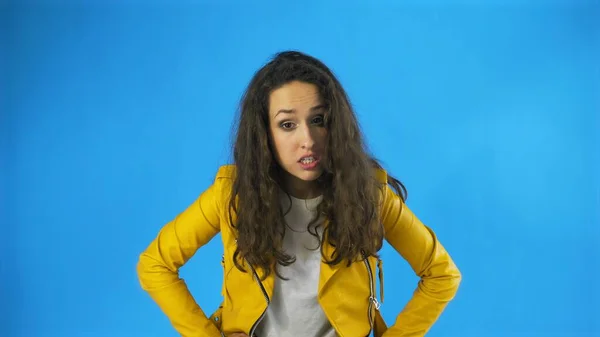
(380, 267)
(224, 275)
(262, 288)
(372, 297)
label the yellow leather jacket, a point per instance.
(346, 293)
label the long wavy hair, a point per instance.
(350, 197)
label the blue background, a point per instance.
(115, 117)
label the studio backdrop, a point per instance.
(116, 116)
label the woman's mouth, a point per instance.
(309, 162)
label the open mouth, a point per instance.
(309, 162)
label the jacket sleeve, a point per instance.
(439, 276)
(158, 266)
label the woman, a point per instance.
(302, 213)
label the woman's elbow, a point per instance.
(143, 268)
(456, 278)
(153, 274)
(442, 282)
(453, 278)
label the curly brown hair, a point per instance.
(350, 190)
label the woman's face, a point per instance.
(296, 124)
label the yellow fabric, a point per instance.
(343, 291)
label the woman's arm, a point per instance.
(439, 275)
(176, 243)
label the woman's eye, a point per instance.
(287, 125)
(318, 120)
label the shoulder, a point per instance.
(391, 191)
(226, 172)
(221, 187)
(381, 175)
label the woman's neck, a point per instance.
(301, 189)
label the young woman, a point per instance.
(302, 212)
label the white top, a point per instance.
(294, 310)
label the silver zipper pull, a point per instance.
(375, 302)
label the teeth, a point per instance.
(307, 160)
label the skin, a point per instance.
(296, 116)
